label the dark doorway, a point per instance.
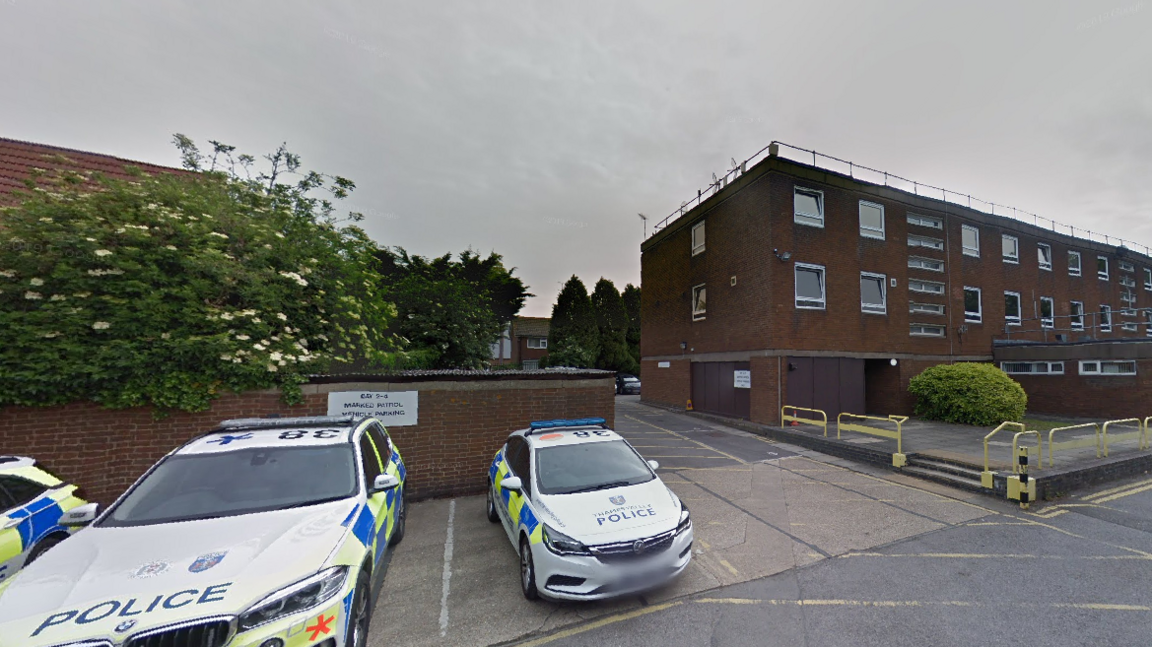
(714, 389)
(832, 384)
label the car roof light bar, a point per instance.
(274, 423)
(564, 422)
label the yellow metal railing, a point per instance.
(1016, 448)
(1076, 443)
(808, 421)
(989, 437)
(1140, 434)
(898, 459)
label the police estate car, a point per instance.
(262, 533)
(588, 516)
(32, 502)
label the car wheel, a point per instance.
(361, 612)
(43, 547)
(401, 517)
(527, 571)
(493, 515)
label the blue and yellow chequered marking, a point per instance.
(518, 511)
(376, 521)
(39, 517)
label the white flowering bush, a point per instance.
(169, 290)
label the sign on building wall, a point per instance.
(663, 364)
(393, 408)
(742, 379)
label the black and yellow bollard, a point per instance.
(1021, 487)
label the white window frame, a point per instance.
(1050, 321)
(1074, 271)
(1105, 314)
(928, 242)
(1147, 278)
(1010, 320)
(978, 316)
(1034, 368)
(698, 246)
(1148, 322)
(922, 263)
(1072, 318)
(810, 304)
(869, 232)
(530, 365)
(1044, 264)
(538, 343)
(872, 308)
(698, 315)
(922, 330)
(1130, 326)
(1103, 276)
(925, 287)
(925, 308)
(970, 251)
(808, 219)
(1125, 266)
(1014, 258)
(1096, 367)
(925, 221)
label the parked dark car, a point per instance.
(627, 384)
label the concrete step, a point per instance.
(945, 466)
(947, 478)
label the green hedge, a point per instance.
(969, 394)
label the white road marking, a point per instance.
(447, 570)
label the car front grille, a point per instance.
(630, 551)
(214, 633)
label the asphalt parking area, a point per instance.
(758, 508)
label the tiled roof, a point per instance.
(18, 161)
(531, 326)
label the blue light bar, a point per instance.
(576, 422)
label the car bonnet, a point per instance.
(101, 578)
(618, 514)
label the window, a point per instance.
(1129, 327)
(925, 221)
(873, 290)
(1077, 317)
(926, 330)
(1047, 317)
(1032, 368)
(697, 238)
(370, 460)
(921, 263)
(1074, 263)
(871, 220)
(1012, 308)
(1102, 268)
(1127, 281)
(1125, 266)
(1147, 279)
(925, 241)
(810, 286)
(926, 308)
(1105, 318)
(530, 365)
(698, 302)
(809, 207)
(926, 287)
(20, 490)
(380, 439)
(970, 240)
(1044, 256)
(1108, 367)
(972, 310)
(538, 343)
(1148, 322)
(1011, 248)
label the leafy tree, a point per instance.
(573, 336)
(169, 290)
(612, 325)
(451, 310)
(631, 298)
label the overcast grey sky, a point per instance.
(539, 130)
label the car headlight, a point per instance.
(301, 596)
(685, 519)
(562, 544)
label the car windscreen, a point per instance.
(203, 486)
(631, 379)
(567, 469)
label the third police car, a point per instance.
(588, 516)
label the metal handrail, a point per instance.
(1016, 452)
(1072, 444)
(811, 421)
(773, 149)
(1141, 432)
(994, 432)
(874, 431)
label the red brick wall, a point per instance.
(670, 386)
(768, 386)
(1099, 397)
(461, 426)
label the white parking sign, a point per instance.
(394, 408)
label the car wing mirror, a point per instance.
(654, 465)
(512, 483)
(384, 482)
(80, 515)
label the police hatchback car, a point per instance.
(263, 533)
(32, 503)
(588, 516)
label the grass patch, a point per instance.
(1046, 424)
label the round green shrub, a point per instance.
(968, 394)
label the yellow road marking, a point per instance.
(1096, 495)
(685, 438)
(705, 544)
(728, 566)
(599, 623)
(1121, 495)
(998, 556)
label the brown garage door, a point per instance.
(714, 391)
(832, 384)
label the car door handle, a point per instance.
(10, 524)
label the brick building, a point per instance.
(792, 284)
(23, 161)
(524, 343)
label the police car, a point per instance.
(262, 533)
(588, 516)
(32, 502)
